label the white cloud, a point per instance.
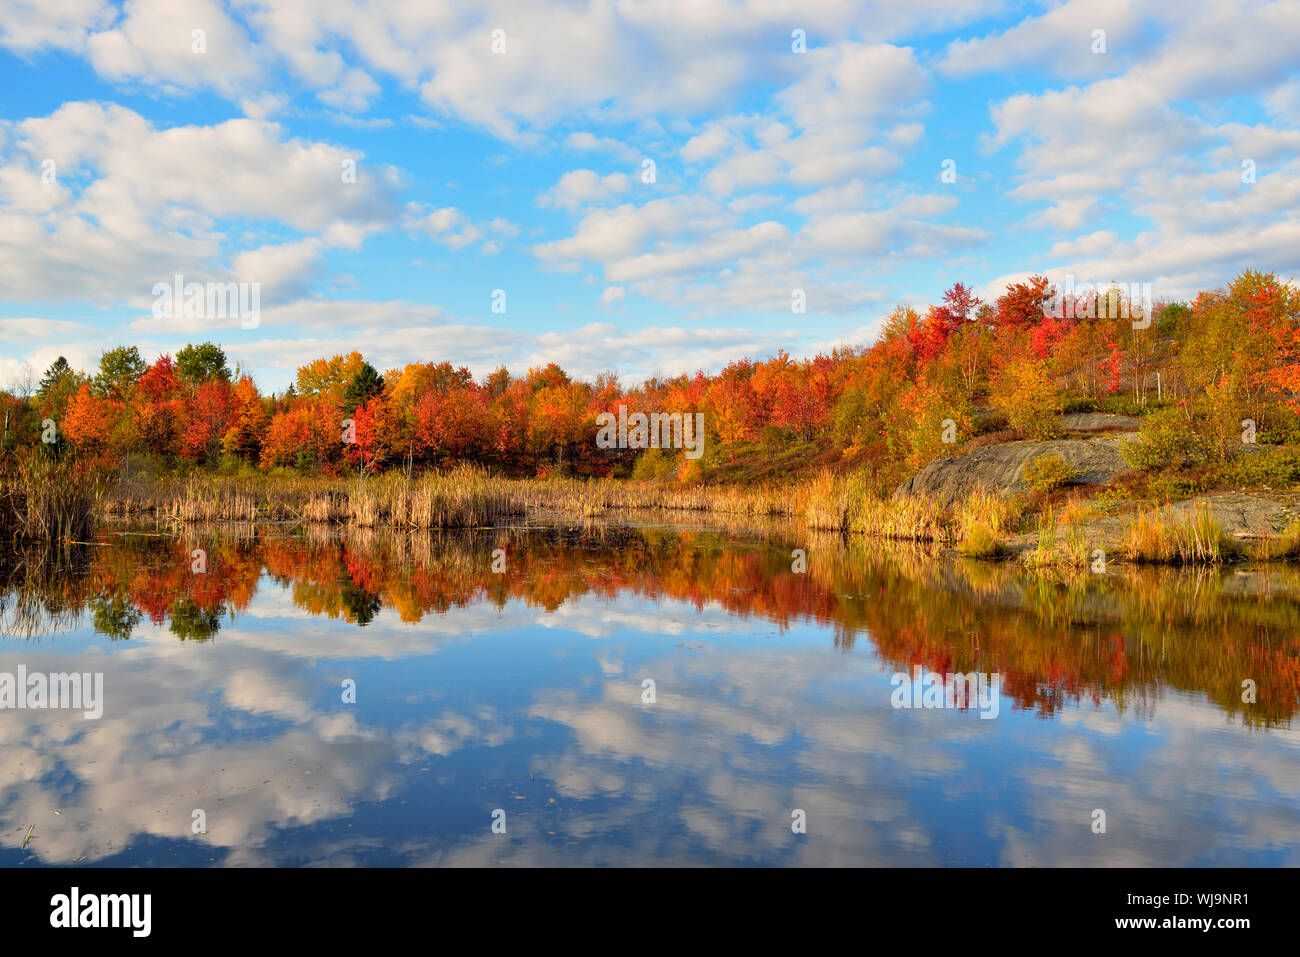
(1060, 40)
(582, 187)
(589, 142)
(352, 93)
(33, 329)
(30, 25)
(135, 203)
(155, 43)
(718, 248)
(1284, 102)
(608, 234)
(455, 230)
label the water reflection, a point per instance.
(524, 691)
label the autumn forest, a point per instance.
(991, 372)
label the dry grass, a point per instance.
(828, 500)
(594, 497)
(1164, 537)
(1044, 553)
(981, 507)
(905, 519)
(1283, 546)
(47, 499)
(981, 541)
(467, 496)
(463, 497)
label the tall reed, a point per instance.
(1190, 537)
(464, 496)
(47, 499)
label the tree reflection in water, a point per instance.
(1057, 638)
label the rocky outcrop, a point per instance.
(1000, 468)
(1099, 422)
(1241, 514)
(1244, 517)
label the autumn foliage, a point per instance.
(933, 379)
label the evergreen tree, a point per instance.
(366, 383)
(53, 376)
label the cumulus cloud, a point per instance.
(1150, 142)
(776, 170)
(113, 225)
(177, 45)
(589, 142)
(1062, 40)
(456, 230)
(30, 25)
(581, 187)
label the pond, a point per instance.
(644, 694)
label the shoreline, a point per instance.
(1199, 530)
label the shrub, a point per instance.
(1174, 486)
(655, 464)
(1048, 472)
(929, 415)
(1122, 405)
(1223, 411)
(1166, 439)
(1274, 466)
(989, 423)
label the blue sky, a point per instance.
(1100, 140)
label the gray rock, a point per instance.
(1098, 421)
(1000, 468)
(1240, 514)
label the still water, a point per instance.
(520, 697)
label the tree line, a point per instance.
(935, 379)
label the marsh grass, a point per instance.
(978, 525)
(903, 519)
(1045, 552)
(463, 497)
(1278, 546)
(981, 541)
(594, 497)
(469, 496)
(48, 499)
(1076, 545)
(1166, 537)
(1001, 514)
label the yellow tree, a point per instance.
(1027, 393)
(329, 377)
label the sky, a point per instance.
(647, 188)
